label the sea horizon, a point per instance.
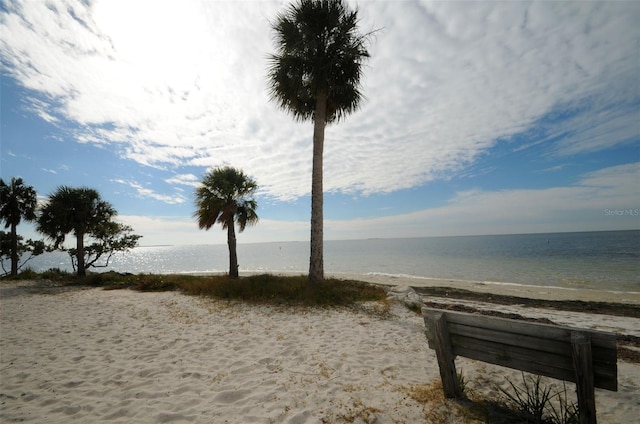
(595, 260)
(239, 237)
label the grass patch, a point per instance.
(283, 290)
(534, 401)
(258, 289)
(531, 403)
(53, 274)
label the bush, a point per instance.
(264, 288)
(55, 274)
(27, 274)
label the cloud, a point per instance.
(144, 192)
(583, 206)
(183, 230)
(172, 87)
(579, 207)
(184, 179)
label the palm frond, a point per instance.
(318, 49)
(17, 202)
(225, 196)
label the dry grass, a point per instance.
(256, 289)
(472, 409)
(437, 409)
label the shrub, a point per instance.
(27, 274)
(55, 274)
(284, 290)
(264, 288)
(534, 401)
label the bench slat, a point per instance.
(537, 343)
(539, 362)
(546, 331)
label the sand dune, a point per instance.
(127, 357)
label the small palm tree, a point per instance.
(80, 211)
(17, 202)
(226, 196)
(315, 75)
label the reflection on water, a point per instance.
(598, 260)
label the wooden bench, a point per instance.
(585, 357)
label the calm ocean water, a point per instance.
(591, 260)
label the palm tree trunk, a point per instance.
(233, 255)
(80, 252)
(316, 261)
(14, 250)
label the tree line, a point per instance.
(225, 196)
(78, 211)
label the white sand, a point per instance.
(126, 357)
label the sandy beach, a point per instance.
(508, 289)
(121, 356)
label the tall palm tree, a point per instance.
(17, 202)
(315, 75)
(80, 211)
(226, 196)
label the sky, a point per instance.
(478, 117)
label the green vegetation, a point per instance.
(531, 403)
(81, 212)
(68, 210)
(226, 197)
(256, 289)
(18, 202)
(534, 401)
(315, 75)
(265, 288)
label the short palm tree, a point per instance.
(17, 202)
(80, 211)
(225, 196)
(315, 75)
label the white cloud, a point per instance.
(184, 230)
(144, 192)
(171, 84)
(184, 179)
(579, 207)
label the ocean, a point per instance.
(607, 260)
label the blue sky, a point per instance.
(479, 118)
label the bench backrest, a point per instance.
(532, 347)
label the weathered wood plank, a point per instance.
(604, 355)
(537, 357)
(532, 367)
(446, 360)
(538, 348)
(551, 332)
(464, 346)
(583, 365)
(528, 341)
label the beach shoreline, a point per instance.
(88, 354)
(507, 289)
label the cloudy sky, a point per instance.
(479, 118)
